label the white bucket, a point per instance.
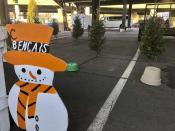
(122, 30)
(151, 76)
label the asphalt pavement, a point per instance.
(139, 108)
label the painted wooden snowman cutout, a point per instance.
(33, 102)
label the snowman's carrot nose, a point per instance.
(30, 73)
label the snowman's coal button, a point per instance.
(39, 72)
(23, 70)
(37, 127)
(37, 118)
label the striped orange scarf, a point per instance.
(27, 97)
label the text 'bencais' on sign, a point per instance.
(30, 46)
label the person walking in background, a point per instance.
(55, 26)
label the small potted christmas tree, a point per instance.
(97, 36)
(152, 45)
(77, 28)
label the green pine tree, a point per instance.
(152, 44)
(77, 28)
(32, 12)
(97, 36)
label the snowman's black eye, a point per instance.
(23, 70)
(39, 72)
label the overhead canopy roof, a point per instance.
(115, 2)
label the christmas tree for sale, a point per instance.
(97, 36)
(152, 44)
(77, 28)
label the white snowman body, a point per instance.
(50, 111)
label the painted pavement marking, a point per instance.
(60, 37)
(102, 116)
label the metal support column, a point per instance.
(95, 10)
(4, 115)
(145, 15)
(4, 16)
(124, 14)
(129, 15)
(64, 16)
(17, 10)
(170, 12)
(64, 13)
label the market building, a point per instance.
(111, 12)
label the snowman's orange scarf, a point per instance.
(27, 100)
